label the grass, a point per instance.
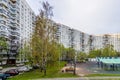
(52, 72)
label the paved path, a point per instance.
(6, 69)
(82, 69)
(83, 78)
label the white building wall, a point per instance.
(27, 18)
(113, 39)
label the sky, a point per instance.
(89, 16)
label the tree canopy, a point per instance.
(107, 51)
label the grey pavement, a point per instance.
(6, 69)
(83, 78)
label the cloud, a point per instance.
(90, 16)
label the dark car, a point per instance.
(4, 76)
(12, 72)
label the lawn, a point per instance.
(52, 72)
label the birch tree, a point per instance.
(43, 44)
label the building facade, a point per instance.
(27, 18)
(73, 38)
(83, 42)
(16, 25)
(101, 41)
(9, 27)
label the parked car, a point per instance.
(29, 67)
(12, 72)
(23, 69)
(4, 76)
(21, 64)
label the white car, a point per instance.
(23, 69)
(29, 67)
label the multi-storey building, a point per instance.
(63, 35)
(73, 38)
(9, 27)
(101, 41)
(27, 18)
(83, 42)
(16, 25)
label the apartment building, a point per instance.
(83, 42)
(101, 41)
(63, 35)
(73, 38)
(9, 28)
(27, 18)
(16, 25)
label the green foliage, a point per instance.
(81, 56)
(25, 53)
(70, 53)
(107, 51)
(53, 54)
(44, 46)
(3, 47)
(95, 53)
(3, 43)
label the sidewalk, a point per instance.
(83, 78)
(6, 69)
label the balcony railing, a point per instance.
(4, 58)
(3, 52)
(4, 2)
(12, 58)
(3, 19)
(3, 14)
(14, 48)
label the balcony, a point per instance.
(13, 1)
(12, 53)
(12, 12)
(13, 35)
(4, 14)
(3, 19)
(4, 58)
(4, 8)
(4, 33)
(14, 48)
(15, 31)
(4, 2)
(3, 52)
(13, 26)
(12, 58)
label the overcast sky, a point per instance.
(89, 16)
